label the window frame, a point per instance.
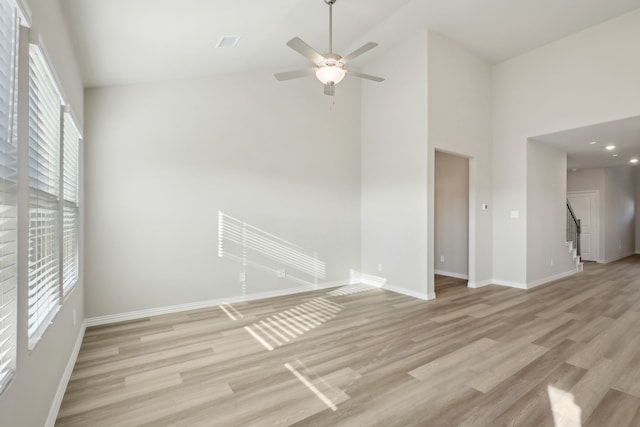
(70, 204)
(9, 189)
(46, 104)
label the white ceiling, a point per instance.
(131, 41)
(581, 154)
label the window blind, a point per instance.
(45, 104)
(8, 188)
(70, 195)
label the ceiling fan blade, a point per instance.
(330, 89)
(305, 50)
(362, 49)
(289, 75)
(365, 76)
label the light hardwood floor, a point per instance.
(568, 351)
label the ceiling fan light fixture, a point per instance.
(330, 74)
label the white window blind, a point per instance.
(8, 188)
(70, 195)
(44, 189)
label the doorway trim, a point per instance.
(471, 231)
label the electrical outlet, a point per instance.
(379, 268)
(551, 262)
(243, 276)
(281, 273)
(441, 258)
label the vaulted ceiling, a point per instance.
(131, 41)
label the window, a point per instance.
(70, 179)
(8, 188)
(45, 104)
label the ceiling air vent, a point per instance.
(227, 41)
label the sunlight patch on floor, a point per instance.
(280, 328)
(231, 311)
(566, 413)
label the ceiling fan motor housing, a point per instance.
(331, 59)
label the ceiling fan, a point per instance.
(328, 68)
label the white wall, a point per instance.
(637, 210)
(49, 25)
(28, 399)
(586, 180)
(547, 255)
(394, 168)
(451, 215)
(619, 216)
(584, 79)
(163, 159)
(460, 123)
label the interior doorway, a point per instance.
(585, 205)
(451, 219)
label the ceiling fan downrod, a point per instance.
(330, 3)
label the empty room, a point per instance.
(319, 213)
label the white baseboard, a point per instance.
(450, 274)
(381, 282)
(551, 278)
(140, 314)
(524, 286)
(66, 375)
(369, 279)
(480, 284)
(410, 293)
(509, 284)
(616, 258)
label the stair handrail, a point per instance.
(578, 229)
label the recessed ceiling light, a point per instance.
(615, 155)
(227, 41)
(634, 160)
(610, 147)
(593, 142)
(574, 170)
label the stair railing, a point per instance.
(573, 228)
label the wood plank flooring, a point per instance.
(566, 353)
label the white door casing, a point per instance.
(585, 205)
